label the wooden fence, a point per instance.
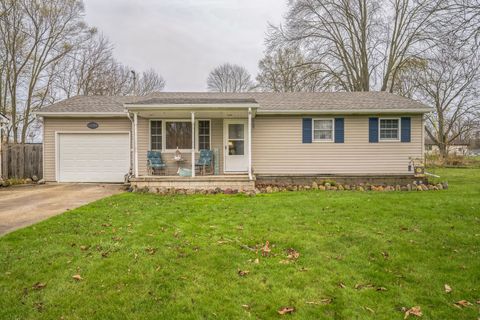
(22, 160)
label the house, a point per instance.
(254, 137)
(457, 147)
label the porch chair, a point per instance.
(205, 160)
(155, 162)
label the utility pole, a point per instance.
(134, 75)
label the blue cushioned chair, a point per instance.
(205, 160)
(155, 162)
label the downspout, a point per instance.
(135, 149)
(132, 146)
(250, 174)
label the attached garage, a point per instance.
(92, 157)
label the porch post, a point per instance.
(135, 144)
(193, 144)
(250, 174)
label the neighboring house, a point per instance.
(253, 135)
(457, 147)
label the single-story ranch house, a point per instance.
(201, 140)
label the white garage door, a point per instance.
(93, 157)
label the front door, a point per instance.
(235, 146)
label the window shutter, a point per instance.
(373, 130)
(307, 130)
(339, 130)
(406, 129)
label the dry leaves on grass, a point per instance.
(342, 285)
(462, 303)
(413, 311)
(243, 273)
(151, 251)
(285, 310)
(77, 277)
(321, 301)
(292, 254)
(39, 286)
(448, 289)
(266, 249)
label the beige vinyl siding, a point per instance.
(52, 125)
(216, 132)
(277, 149)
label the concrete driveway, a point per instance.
(24, 205)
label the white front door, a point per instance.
(235, 145)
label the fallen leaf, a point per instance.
(478, 301)
(151, 251)
(246, 306)
(322, 301)
(243, 273)
(414, 311)
(342, 285)
(448, 289)
(266, 249)
(284, 261)
(77, 277)
(385, 254)
(381, 289)
(256, 261)
(39, 286)
(463, 303)
(369, 309)
(292, 254)
(359, 286)
(285, 310)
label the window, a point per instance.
(156, 135)
(203, 134)
(389, 129)
(322, 129)
(178, 134)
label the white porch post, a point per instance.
(250, 174)
(135, 143)
(193, 144)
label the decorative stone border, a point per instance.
(320, 186)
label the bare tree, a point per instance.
(149, 81)
(229, 78)
(285, 70)
(35, 36)
(360, 44)
(450, 85)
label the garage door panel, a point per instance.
(93, 157)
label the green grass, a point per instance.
(177, 257)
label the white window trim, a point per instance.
(399, 130)
(333, 130)
(164, 136)
(197, 136)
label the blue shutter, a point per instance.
(339, 130)
(307, 130)
(373, 130)
(406, 129)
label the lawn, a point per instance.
(142, 256)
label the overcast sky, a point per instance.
(184, 39)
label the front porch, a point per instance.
(181, 133)
(211, 182)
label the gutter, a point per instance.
(82, 114)
(363, 111)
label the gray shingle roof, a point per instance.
(267, 102)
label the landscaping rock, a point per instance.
(360, 188)
(440, 186)
(322, 188)
(445, 185)
(409, 187)
(424, 187)
(327, 185)
(34, 178)
(340, 187)
(41, 181)
(28, 181)
(398, 188)
(314, 185)
(269, 189)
